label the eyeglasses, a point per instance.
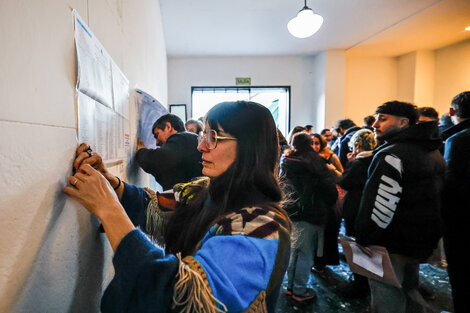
(210, 138)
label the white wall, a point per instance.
(318, 67)
(297, 72)
(335, 85)
(52, 258)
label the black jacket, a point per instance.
(177, 161)
(310, 194)
(456, 200)
(353, 181)
(400, 207)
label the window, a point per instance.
(276, 99)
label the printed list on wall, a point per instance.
(102, 97)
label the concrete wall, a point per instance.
(52, 258)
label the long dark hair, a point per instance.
(303, 150)
(249, 181)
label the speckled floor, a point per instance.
(433, 279)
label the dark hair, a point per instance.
(428, 112)
(461, 104)
(345, 124)
(399, 108)
(369, 120)
(251, 180)
(445, 119)
(324, 131)
(199, 125)
(174, 121)
(322, 140)
(303, 150)
(295, 130)
(308, 127)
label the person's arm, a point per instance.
(95, 160)
(381, 196)
(337, 164)
(158, 161)
(95, 193)
(144, 277)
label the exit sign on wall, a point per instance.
(243, 81)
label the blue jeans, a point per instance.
(301, 259)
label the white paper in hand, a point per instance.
(372, 264)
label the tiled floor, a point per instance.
(433, 279)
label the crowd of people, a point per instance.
(243, 206)
(401, 179)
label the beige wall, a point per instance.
(406, 77)
(425, 78)
(452, 74)
(371, 81)
(52, 258)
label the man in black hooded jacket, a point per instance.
(455, 197)
(400, 207)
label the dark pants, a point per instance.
(387, 298)
(455, 248)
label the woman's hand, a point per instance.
(83, 157)
(331, 167)
(95, 193)
(92, 190)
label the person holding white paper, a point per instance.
(400, 206)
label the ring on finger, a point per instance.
(74, 181)
(90, 152)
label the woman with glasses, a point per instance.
(226, 238)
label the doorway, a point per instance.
(276, 99)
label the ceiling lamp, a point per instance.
(306, 23)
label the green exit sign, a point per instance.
(243, 81)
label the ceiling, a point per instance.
(362, 27)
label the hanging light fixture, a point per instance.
(306, 23)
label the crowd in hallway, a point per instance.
(400, 178)
(243, 207)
